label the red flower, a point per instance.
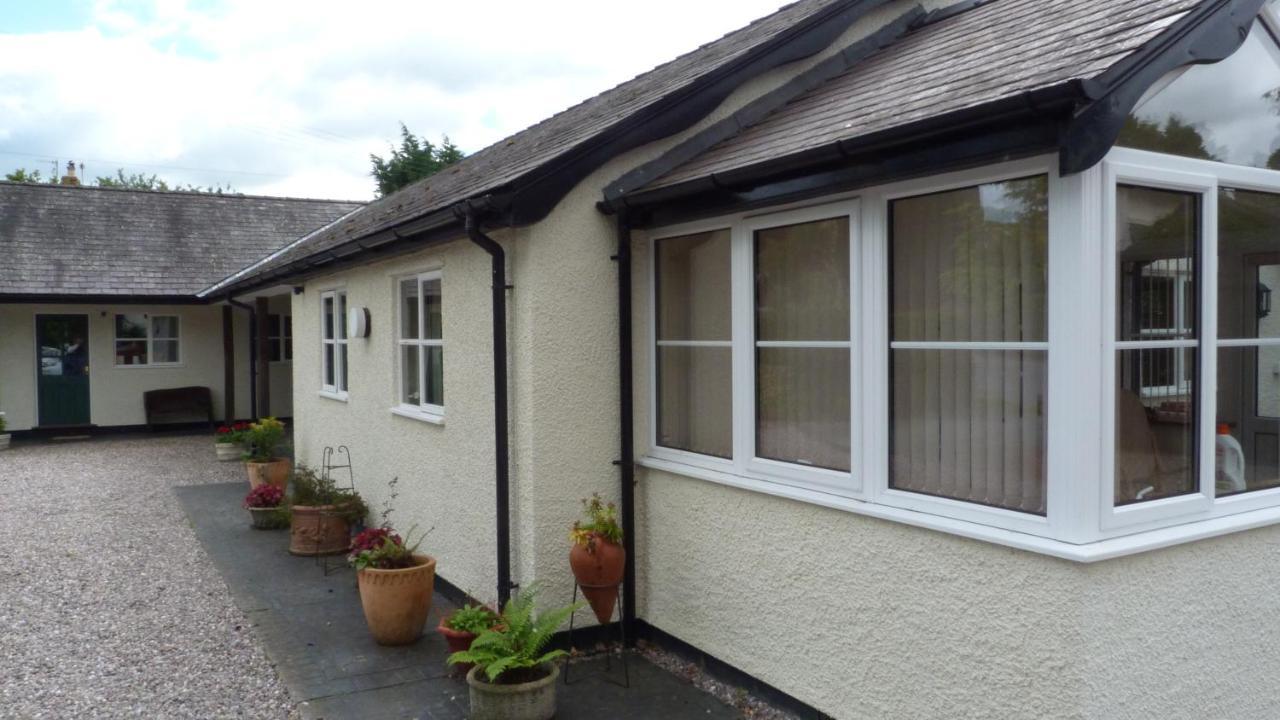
(264, 496)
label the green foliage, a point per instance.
(142, 181)
(310, 489)
(22, 175)
(263, 439)
(1176, 137)
(512, 651)
(415, 159)
(602, 522)
(474, 619)
(3, 425)
(382, 549)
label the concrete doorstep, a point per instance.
(313, 630)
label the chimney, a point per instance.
(70, 178)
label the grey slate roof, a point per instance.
(522, 154)
(59, 240)
(993, 52)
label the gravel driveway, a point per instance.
(108, 605)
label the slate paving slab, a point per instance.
(313, 630)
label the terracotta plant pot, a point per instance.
(229, 451)
(396, 602)
(319, 530)
(273, 472)
(599, 571)
(266, 518)
(534, 700)
(458, 641)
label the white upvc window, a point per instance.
(420, 346)
(333, 343)
(146, 340)
(280, 337)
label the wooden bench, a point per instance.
(178, 405)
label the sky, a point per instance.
(290, 98)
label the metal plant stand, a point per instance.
(608, 652)
(327, 466)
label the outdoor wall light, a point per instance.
(358, 322)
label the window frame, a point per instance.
(150, 341)
(277, 333)
(335, 390)
(429, 412)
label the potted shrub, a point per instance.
(513, 678)
(396, 585)
(262, 442)
(265, 504)
(228, 441)
(597, 558)
(463, 626)
(321, 514)
(4, 436)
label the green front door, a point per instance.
(62, 354)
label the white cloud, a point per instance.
(291, 97)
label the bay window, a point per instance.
(333, 343)
(420, 341)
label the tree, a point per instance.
(22, 175)
(415, 159)
(142, 181)
(1176, 137)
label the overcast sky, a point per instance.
(289, 98)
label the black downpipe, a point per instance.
(501, 443)
(253, 354)
(626, 422)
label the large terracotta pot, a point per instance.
(318, 530)
(535, 700)
(396, 602)
(229, 451)
(273, 472)
(598, 570)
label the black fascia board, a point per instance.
(99, 299)
(1208, 33)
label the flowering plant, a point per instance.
(381, 548)
(231, 434)
(264, 496)
(262, 438)
(603, 523)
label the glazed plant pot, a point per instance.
(535, 700)
(229, 451)
(396, 602)
(598, 570)
(266, 518)
(272, 472)
(318, 530)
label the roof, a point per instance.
(522, 156)
(993, 52)
(67, 240)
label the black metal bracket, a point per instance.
(608, 652)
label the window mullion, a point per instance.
(743, 299)
(1207, 333)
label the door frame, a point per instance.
(35, 341)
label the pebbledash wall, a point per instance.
(115, 393)
(856, 616)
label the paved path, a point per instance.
(109, 607)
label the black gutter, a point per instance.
(253, 354)
(70, 299)
(626, 427)
(501, 438)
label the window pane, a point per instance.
(164, 326)
(409, 309)
(693, 287)
(288, 348)
(1155, 424)
(288, 326)
(802, 406)
(695, 399)
(431, 308)
(131, 352)
(1225, 111)
(435, 375)
(328, 364)
(971, 265)
(1157, 243)
(273, 351)
(802, 281)
(1247, 446)
(1248, 264)
(342, 367)
(341, 316)
(131, 326)
(166, 351)
(274, 325)
(970, 425)
(327, 305)
(410, 375)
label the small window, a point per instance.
(147, 340)
(280, 337)
(420, 336)
(333, 347)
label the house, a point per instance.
(927, 347)
(98, 304)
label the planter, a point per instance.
(4, 441)
(266, 519)
(318, 530)
(599, 571)
(396, 602)
(273, 472)
(229, 451)
(534, 700)
(458, 641)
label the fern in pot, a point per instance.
(514, 676)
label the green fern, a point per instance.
(518, 641)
